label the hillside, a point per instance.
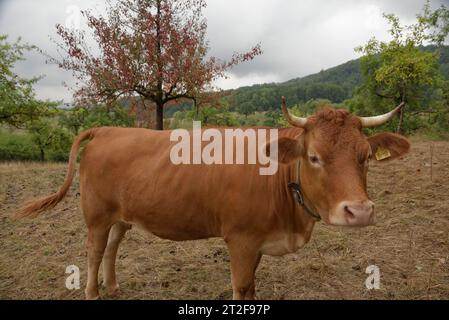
(335, 84)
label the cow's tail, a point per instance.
(37, 206)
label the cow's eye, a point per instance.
(314, 160)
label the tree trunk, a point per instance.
(401, 112)
(42, 154)
(401, 120)
(159, 103)
(197, 110)
(159, 116)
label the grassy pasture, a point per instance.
(410, 244)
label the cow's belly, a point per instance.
(174, 233)
(174, 226)
(282, 243)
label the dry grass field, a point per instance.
(410, 244)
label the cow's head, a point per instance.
(334, 155)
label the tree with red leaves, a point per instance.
(152, 49)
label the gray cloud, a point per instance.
(298, 37)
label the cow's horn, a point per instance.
(293, 120)
(371, 122)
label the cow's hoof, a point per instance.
(113, 290)
(92, 295)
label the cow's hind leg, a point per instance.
(97, 238)
(116, 235)
(245, 258)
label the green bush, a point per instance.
(17, 146)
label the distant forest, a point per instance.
(336, 84)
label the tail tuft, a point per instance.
(37, 206)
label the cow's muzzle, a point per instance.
(353, 213)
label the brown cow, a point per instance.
(127, 178)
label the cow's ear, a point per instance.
(388, 146)
(289, 150)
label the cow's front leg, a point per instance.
(245, 257)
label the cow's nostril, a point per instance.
(349, 212)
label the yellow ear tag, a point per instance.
(382, 154)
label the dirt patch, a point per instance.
(410, 244)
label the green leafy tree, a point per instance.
(18, 105)
(246, 108)
(74, 120)
(208, 115)
(48, 136)
(272, 118)
(81, 118)
(399, 70)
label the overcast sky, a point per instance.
(298, 37)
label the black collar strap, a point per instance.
(297, 194)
